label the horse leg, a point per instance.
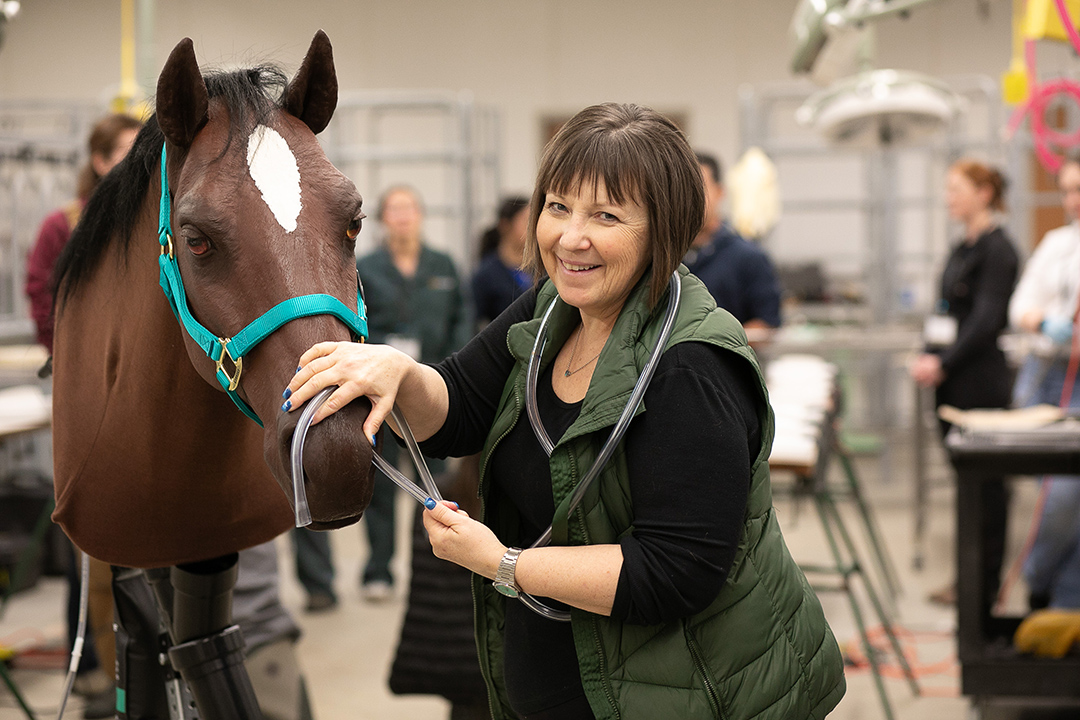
(175, 623)
(141, 678)
(207, 648)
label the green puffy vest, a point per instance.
(762, 649)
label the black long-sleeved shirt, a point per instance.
(688, 458)
(977, 283)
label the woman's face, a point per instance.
(121, 146)
(963, 197)
(513, 230)
(594, 250)
(1069, 184)
(402, 215)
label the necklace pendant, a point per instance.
(566, 373)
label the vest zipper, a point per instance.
(513, 424)
(493, 704)
(580, 514)
(699, 663)
(603, 671)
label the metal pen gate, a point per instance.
(42, 146)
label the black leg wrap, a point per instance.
(213, 668)
(140, 640)
(202, 597)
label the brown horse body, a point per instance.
(154, 465)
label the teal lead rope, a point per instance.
(232, 350)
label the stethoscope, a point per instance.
(617, 432)
(429, 495)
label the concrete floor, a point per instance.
(346, 652)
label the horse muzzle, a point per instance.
(338, 474)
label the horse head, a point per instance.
(259, 216)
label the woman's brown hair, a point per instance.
(984, 176)
(102, 142)
(640, 156)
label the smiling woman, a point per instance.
(670, 567)
(593, 249)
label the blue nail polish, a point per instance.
(456, 506)
(374, 440)
(286, 406)
(287, 394)
(430, 504)
(298, 368)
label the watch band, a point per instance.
(505, 576)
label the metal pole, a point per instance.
(145, 62)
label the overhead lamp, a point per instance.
(810, 32)
(881, 106)
(8, 10)
(817, 24)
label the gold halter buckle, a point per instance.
(238, 365)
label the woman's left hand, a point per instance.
(456, 537)
(926, 370)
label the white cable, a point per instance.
(80, 634)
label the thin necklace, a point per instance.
(568, 372)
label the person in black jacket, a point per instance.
(499, 278)
(963, 362)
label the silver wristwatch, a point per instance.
(504, 576)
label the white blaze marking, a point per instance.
(273, 168)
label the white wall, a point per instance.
(528, 58)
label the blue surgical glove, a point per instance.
(1058, 328)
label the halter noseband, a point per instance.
(232, 350)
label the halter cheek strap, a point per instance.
(231, 351)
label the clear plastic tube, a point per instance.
(303, 513)
(617, 432)
(403, 482)
(416, 455)
(300, 503)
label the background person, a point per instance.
(436, 654)
(415, 303)
(737, 272)
(110, 140)
(315, 568)
(675, 557)
(499, 278)
(1045, 305)
(965, 366)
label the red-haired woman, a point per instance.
(964, 363)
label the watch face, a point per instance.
(507, 590)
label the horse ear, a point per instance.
(312, 94)
(182, 101)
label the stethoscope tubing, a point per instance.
(617, 432)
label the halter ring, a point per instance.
(238, 365)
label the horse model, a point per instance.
(228, 202)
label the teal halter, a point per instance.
(233, 350)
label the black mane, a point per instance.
(112, 211)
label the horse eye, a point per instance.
(198, 245)
(354, 226)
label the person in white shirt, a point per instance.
(1045, 305)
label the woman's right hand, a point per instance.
(1031, 321)
(926, 371)
(374, 371)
